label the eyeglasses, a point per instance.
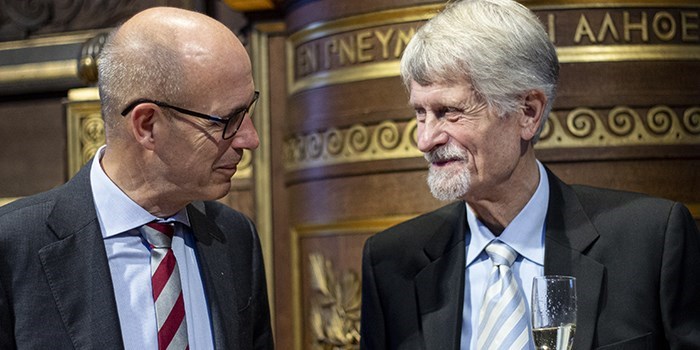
(231, 124)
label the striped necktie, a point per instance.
(503, 322)
(167, 290)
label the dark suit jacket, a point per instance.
(55, 287)
(635, 259)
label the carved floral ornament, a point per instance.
(335, 306)
(581, 127)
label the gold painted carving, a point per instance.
(621, 126)
(580, 127)
(335, 306)
(387, 140)
(85, 127)
(332, 229)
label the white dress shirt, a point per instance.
(525, 234)
(129, 264)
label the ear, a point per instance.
(143, 118)
(533, 110)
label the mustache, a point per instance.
(445, 153)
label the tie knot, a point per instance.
(501, 253)
(158, 234)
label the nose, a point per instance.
(430, 134)
(247, 136)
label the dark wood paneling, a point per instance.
(367, 101)
(625, 83)
(32, 146)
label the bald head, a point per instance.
(166, 54)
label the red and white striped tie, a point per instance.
(167, 290)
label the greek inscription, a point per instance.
(584, 29)
(608, 26)
(613, 26)
(689, 23)
(664, 26)
(551, 26)
(628, 27)
(345, 50)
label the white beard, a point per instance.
(452, 183)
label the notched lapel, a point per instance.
(439, 289)
(77, 270)
(78, 274)
(440, 284)
(570, 234)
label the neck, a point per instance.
(137, 182)
(500, 205)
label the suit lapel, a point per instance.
(440, 284)
(218, 275)
(77, 270)
(569, 235)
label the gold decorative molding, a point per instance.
(335, 306)
(621, 126)
(86, 133)
(619, 53)
(580, 127)
(84, 126)
(46, 70)
(387, 140)
(579, 4)
(250, 5)
(38, 71)
(49, 40)
(341, 228)
(261, 158)
(8, 200)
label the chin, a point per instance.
(215, 191)
(221, 192)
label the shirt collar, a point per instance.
(116, 212)
(525, 233)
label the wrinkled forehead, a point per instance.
(447, 93)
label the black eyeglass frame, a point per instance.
(236, 120)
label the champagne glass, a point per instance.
(553, 312)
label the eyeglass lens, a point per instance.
(234, 123)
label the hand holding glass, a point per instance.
(553, 312)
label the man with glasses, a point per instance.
(134, 252)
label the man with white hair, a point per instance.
(482, 76)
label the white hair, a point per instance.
(499, 46)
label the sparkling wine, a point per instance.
(554, 338)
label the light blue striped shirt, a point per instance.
(129, 265)
(525, 234)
